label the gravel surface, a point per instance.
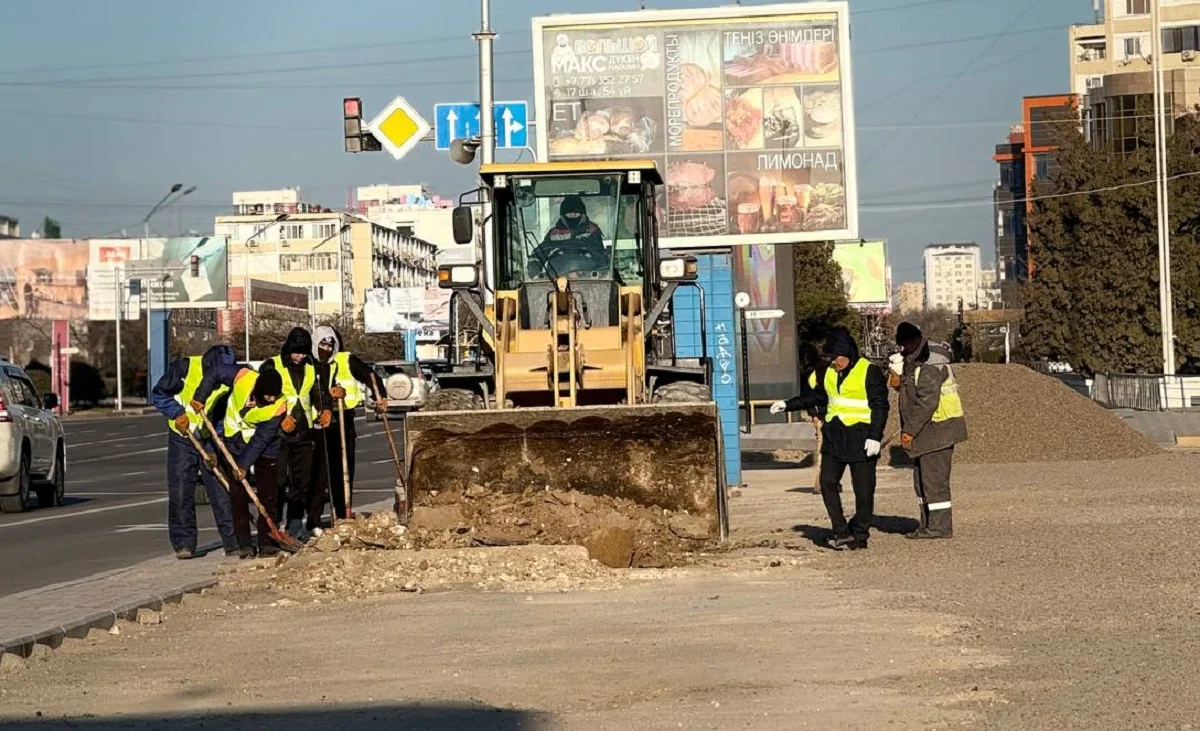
(1015, 415)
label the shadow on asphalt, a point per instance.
(893, 524)
(428, 717)
(70, 501)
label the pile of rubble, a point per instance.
(1015, 416)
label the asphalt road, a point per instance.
(115, 513)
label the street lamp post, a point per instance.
(1162, 171)
(146, 221)
(246, 277)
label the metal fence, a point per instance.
(1146, 392)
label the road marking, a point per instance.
(105, 441)
(148, 528)
(116, 456)
(383, 461)
(91, 511)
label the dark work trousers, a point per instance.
(334, 454)
(183, 465)
(931, 480)
(265, 486)
(296, 473)
(862, 476)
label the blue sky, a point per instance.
(92, 96)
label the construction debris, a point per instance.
(1015, 416)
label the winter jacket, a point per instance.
(264, 443)
(170, 384)
(359, 370)
(839, 441)
(299, 341)
(919, 400)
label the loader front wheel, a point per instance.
(682, 392)
(453, 399)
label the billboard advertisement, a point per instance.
(173, 256)
(43, 279)
(765, 273)
(747, 111)
(402, 309)
(865, 273)
(106, 263)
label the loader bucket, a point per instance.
(664, 455)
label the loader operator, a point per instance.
(302, 465)
(574, 244)
(175, 397)
(345, 376)
(851, 395)
(249, 417)
(931, 423)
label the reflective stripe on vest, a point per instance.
(243, 418)
(191, 382)
(339, 374)
(949, 404)
(303, 396)
(812, 379)
(848, 401)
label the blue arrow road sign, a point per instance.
(460, 120)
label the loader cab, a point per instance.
(611, 248)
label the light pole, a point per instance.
(119, 277)
(246, 275)
(1162, 171)
(146, 221)
(341, 273)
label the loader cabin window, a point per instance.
(576, 227)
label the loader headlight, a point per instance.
(678, 269)
(458, 276)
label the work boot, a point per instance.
(925, 533)
(245, 552)
(268, 550)
(296, 529)
(232, 551)
(183, 554)
(842, 542)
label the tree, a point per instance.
(1093, 297)
(821, 303)
(51, 229)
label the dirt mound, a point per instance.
(619, 532)
(346, 574)
(1015, 415)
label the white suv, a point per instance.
(33, 452)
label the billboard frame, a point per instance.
(884, 305)
(840, 8)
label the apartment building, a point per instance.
(411, 209)
(1110, 65)
(910, 298)
(9, 228)
(336, 256)
(952, 275)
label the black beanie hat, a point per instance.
(572, 204)
(269, 383)
(906, 332)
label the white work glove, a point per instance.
(873, 448)
(896, 363)
(778, 407)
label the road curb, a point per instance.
(53, 636)
(124, 414)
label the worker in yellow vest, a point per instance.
(302, 467)
(346, 377)
(852, 399)
(931, 422)
(176, 397)
(251, 428)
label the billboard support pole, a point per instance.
(118, 279)
(746, 369)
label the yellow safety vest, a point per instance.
(949, 404)
(339, 374)
(243, 418)
(848, 402)
(290, 395)
(812, 379)
(191, 382)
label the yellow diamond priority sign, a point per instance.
(398, 127)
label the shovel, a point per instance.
(402, 502)
(345, 463)
(285, 541)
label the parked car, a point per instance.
(33, 452)
(405, 384)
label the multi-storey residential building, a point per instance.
(336, 256)
(910, 297)
(952, 276)
(1111, 61)
(410, 209)
(9, 228)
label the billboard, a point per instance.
(747, 111)
(402, 309)
(764, 272)
(865, 273)
(173, 256)
(43, 279)
(106, 262)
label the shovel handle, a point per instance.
(341, 404)
(401, 483)
(245, 483)
(216, 470)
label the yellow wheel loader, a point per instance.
(575, 383)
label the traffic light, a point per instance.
(195, 266)
(135, 287)
(352, 122)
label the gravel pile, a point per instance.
(1015, 415)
